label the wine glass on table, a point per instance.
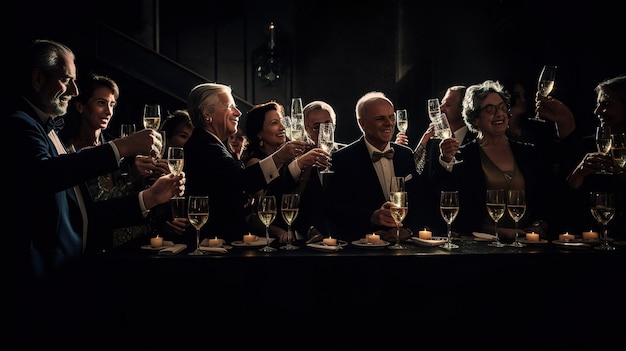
(496, 205)
(545, 85)
(449, 209)
(198, 214)
(516, 206)
(603, 210)
(175, 159)
(266, 211)
(399, 209)
(603, 142)
(289, 207)
(618, 149)
(326, 140)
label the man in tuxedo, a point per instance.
(48, 219)
(358, 191)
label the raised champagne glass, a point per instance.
(603, 142)
(326, 140)
(175, 159)
(545, 85)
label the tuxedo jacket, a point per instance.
(43, 216)
(354, 191)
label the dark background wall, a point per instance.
(336, 52)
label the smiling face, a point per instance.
(98, 111)
(273, 132)
(493, 123)
(610, 110)
(225, 117)
(57, 88)
(378, 122)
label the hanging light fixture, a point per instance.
(268, 64)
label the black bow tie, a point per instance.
(55, 123)
(378, 155)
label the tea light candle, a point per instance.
(532, 236)
(249, 238)
(566, 237)
(425, 234)
(590, 236)
(156, 241)
(215, 242)
(372, 238)
(330, 241)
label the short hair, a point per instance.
(475, 95)
(93, 82)
(174, 122)
(43, 54)
(202, 98)
(320, 105)
(615, 84)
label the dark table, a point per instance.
(537, 294)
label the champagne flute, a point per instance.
(434, 108)
(286, 122)
(198, 214)
(516, 206)
(326, 140)
(603, 210)
(152, 116)
(443, 131)
(545, 85)
(603, 142)
(267, 213)
(289, 207)
(402, 120)
(126, 130)
(175, 159)
(496, 206)
(399, 209)
(298, 132)
(449, 209)
(618, 149)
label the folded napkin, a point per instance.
(173, 250)
(314, 235)
(322, 246)
(213, 249)
(484, 236)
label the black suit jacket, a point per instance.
(354, 192)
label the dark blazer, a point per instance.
(354, 192)
(212, 170)
(43, 217)
(469, 179)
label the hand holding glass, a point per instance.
(326, 140)
(545, 85)
(175, 159)
(603, 142)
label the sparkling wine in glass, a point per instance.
(175, 159)
(289, 208)
(603, 210)
(449, 209)
(326, 140)
(198, 214)
(152, 116)
(443, 131)
(434, 108)
(398, 196)
(298, 132)
(496, 205)
(603, 142)
(618, 149)
(267, 213)
(402, 120)
(516, 206)
(545, 85)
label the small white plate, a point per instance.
(259, 242)
(363, 243)
(434, 241)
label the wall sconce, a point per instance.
(267, 62)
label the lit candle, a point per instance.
(566, 237)
(156, 241)
(532, 236)
(249, 238)
(215, 242)
(372, 238)
(330, 241)
(590, 235)
(425, 234)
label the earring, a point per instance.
(210, 119)
(261, 143)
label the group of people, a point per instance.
(72, 198)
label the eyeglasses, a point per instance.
(491, 109)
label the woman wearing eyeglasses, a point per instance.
(493, 161)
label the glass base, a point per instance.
(327, 171)
(196, 253)
(496, 243)
(605, 246)
(449, 246)
(397, 247)
(289, 247)
(517, 244)
(267, 249)
(536, 118)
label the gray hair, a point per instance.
(475, 95)
(320, 105)
(202, 98)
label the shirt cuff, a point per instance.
(294, 169)
(142, 205)
(270, 171)
(117, 152)
(447, 165)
